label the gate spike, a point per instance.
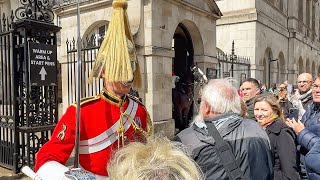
(73, 43)
(0, 24)
(4, 21)
(83, 43)
(94, 42)
(8, 24)
(12, 17)
(67, 43)
(88, 41)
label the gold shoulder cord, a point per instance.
(147, 133)
(120, 129)
(149, 125)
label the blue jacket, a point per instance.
(311, 119)
(308, 136)
(312, 159)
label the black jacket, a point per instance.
(249, 143)
(283, 144)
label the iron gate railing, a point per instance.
(28, 113)
(89, 52)
(231, 65)
(7, 105)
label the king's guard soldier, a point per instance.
(108, 120)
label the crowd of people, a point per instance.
(256, 137)
(289, 116)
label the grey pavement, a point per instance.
(6, 174)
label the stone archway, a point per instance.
(187, 43)
(308, 70)
(269, 67)
(183, 48)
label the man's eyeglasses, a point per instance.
(315, 86)
(303, 82)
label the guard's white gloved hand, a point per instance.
(53, 170)
(30, 173)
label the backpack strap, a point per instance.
(225, 154)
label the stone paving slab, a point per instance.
(6, 174)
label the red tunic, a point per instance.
(98, 114)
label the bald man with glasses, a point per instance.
(302, 98)
(308, 129)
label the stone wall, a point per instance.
(262, 30)
(166, 16)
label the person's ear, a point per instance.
(207, 108)
(257, 91)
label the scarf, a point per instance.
(268, 121)
(306, 96)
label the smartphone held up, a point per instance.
(293, 114)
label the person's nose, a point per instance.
(258, 112)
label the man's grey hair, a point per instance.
(222, 96)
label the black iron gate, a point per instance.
(28, 109)
(89, 51)
(231, 65)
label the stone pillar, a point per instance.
(203, 62)
(257, 71)
(292, 76)
(291, 66)
(159, 89)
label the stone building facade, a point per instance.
(169, 35)
(154, 24)
(283, 31)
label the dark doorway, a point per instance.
(183, 47)
(183, 93)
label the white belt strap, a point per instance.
(109, 136)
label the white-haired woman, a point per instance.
(158, 159)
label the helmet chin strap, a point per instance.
(126, 83)
(129, 83)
